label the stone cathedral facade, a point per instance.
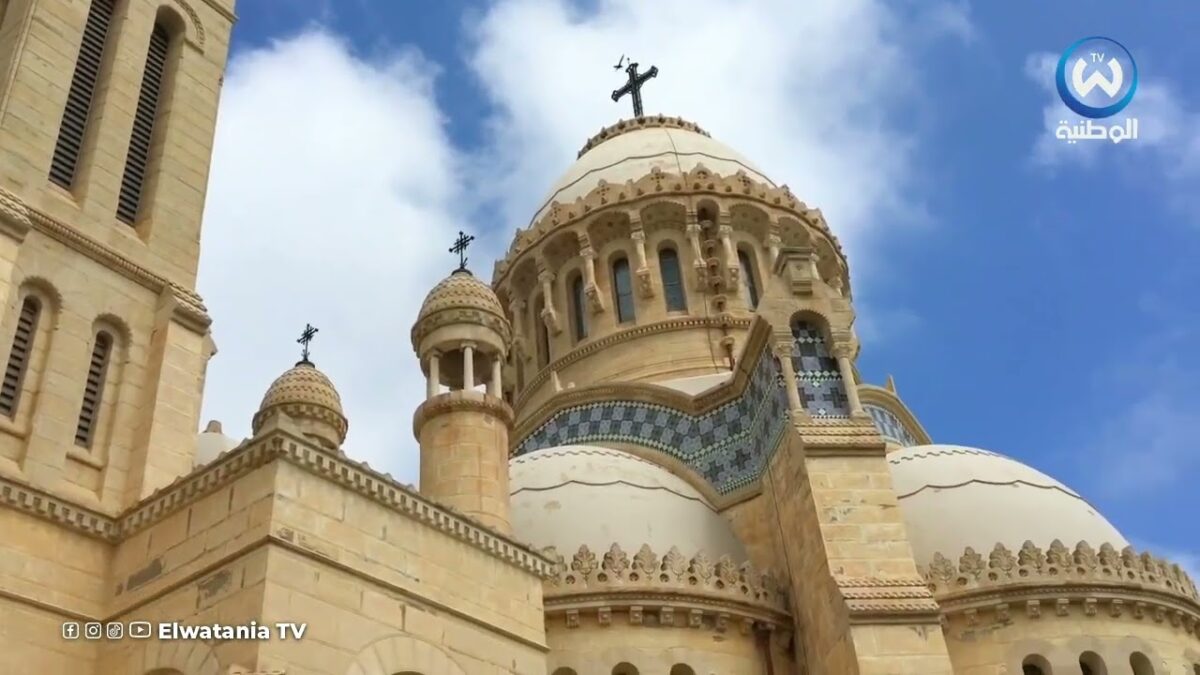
(645, 446)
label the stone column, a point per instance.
(431, 388)
(468, 366)
(842, 354)
(783, 351)
(494, 385)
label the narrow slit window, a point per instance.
(71, 131)
(622, 290)
(93, 390)
(672, 280)
(578, 303)
(749, 283)
(19, 355)
(138, 159)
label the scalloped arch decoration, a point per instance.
(403, 654)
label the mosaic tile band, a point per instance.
(729, 445)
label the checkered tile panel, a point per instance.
(890, 426)
(822, 390)
(728, 445)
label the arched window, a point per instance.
(19, 355)
(71, 131)
(1035, 664)
(682, 669)
(137, 160)
(818, 377)
(625, 668)
(542, 331)
(672, 280)
(93, 390)
(749, 281)
(622, 290)
(578, 304)
(1140, 663)
(1090, 663)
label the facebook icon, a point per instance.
(70, 630)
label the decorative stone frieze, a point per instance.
(1086, 580)
(695, 592)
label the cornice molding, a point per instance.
(461, 401)
(583, 351)
(276, 445)
(190, 309)
(871, 600)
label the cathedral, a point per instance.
(645, 446)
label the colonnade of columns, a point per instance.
(467, 354)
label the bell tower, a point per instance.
(107, 114)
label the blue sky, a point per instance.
(1030, 298)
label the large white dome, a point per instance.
(579, 494)
(631, 148)
(953, 497)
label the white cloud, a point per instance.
(335, 189)
(1168, 143)
(331, 201)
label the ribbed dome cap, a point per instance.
(304, 393)
(460, 298)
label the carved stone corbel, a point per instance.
(549, 314)
(572, 618)
(645, 280)
(666, 616)
(604, 616)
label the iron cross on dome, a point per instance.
(634, 85)
(460, 247)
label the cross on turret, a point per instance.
(460, 247)
(634, 85)
(305, 338)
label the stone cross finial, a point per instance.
(634, 86)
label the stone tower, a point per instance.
(462, 334)
(107, 114)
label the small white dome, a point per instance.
(579, 494)
(629, 152)
(210, 443)
(953, 497)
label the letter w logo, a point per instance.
(1097, 79)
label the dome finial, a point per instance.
(305, 338)
(460, 247)
(634, 86)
